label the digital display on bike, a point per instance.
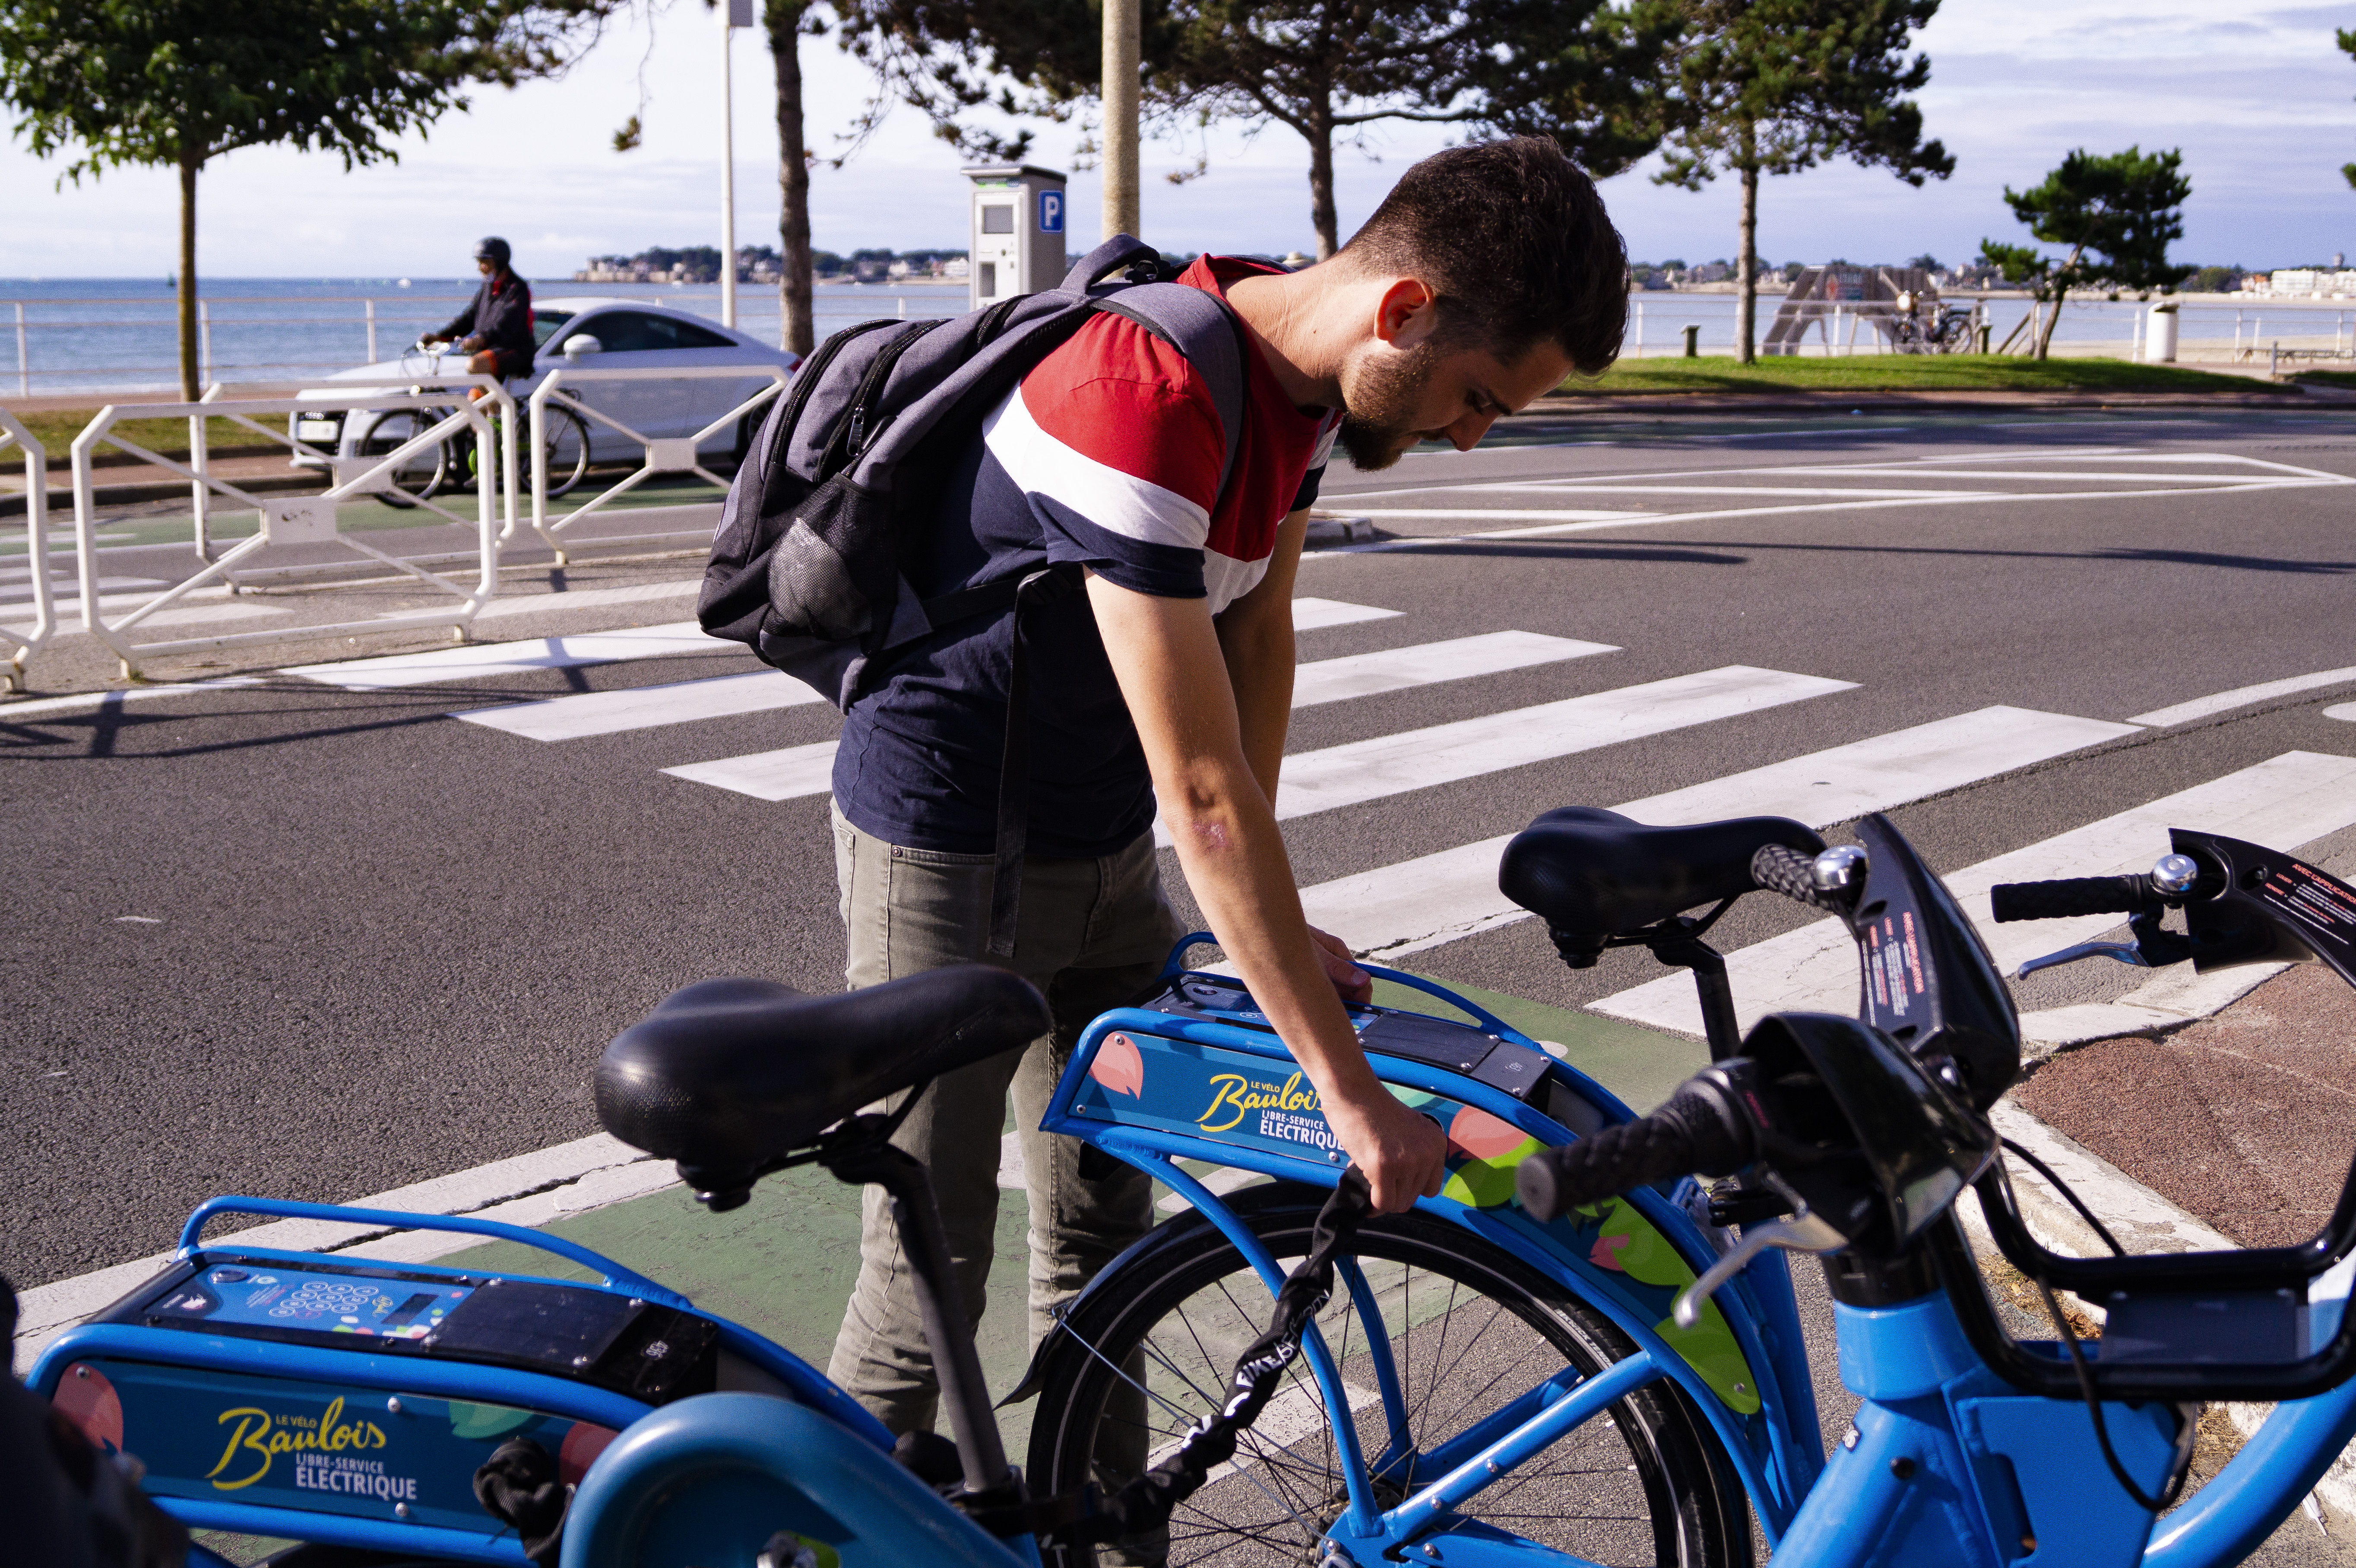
(254, 1295)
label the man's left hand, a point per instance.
(1341, 967)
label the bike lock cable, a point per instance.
(1147, 1502)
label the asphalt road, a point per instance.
(302, 941)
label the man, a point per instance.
(495, 325)
(1487, 276)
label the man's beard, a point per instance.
(1378, 417)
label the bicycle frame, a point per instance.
(1150, 1088)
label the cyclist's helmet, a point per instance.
(493, 249)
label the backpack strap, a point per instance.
(1205, 329)
(1119, 251)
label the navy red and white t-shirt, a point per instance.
(1106, 455)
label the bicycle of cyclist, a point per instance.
(494, 335)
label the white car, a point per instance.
(572, 335)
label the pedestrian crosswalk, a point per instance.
(1422, 902)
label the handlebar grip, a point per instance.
(1696, 1131)
(1777, 869)
(2073, 895)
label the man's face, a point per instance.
(486, 266)
(1393, 397)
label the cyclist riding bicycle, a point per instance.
(495, 325)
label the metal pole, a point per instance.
(371, 321)
(205, 334)
(1119, 97)
(728, 24)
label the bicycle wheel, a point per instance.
(1468, 1327)
(567, 441)
(421, 475)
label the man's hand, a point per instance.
(1403, 1153)
(1354, 984)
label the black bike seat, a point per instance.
(1597, 873)
(725, 1075)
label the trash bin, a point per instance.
(2159, 334)
(1693, 342)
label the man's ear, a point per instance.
(1407, 312)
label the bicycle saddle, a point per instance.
(726, 1075)
(1596, 872)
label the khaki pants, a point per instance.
(1092, 936)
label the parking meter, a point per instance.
(1018, 233)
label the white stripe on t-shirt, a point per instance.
(1116, 502)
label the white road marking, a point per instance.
(83, 702)
(2345, 710)
(69, 617)
(1310, 615)
(1556, 516)
(21, 589)
(782, 775)
(582, 599)
(644, 707)
(2243, 696)
(1458, 658)
(1468, 748)
(1444, 897)
(393, 670)
(2293, 799)
(796, 771)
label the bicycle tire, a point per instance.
(566, 464)
(425, 474)
(1648, 1485)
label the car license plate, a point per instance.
(315, 430)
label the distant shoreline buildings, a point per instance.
(762, 264)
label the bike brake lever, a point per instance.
(1798, 1232)
(2125, 952)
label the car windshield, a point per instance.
(544, 324)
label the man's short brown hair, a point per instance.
(1516, 240)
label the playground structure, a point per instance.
(1900, 305)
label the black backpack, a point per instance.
(809, 564)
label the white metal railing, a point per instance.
(306, 519)
(29, 640)
(664, 454)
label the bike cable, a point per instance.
(2187, 1434)
(2069, 1197)
(2187, 1430)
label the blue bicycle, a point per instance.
(1569, 1356)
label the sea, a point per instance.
(109, 336)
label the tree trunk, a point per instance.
(189, 391)
(1322, 216)
(1746, 263)
(1123, 207)
(797, 324)
(2061, 293)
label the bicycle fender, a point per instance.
(715, 1478)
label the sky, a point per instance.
(2260, 102)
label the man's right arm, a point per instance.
(1166, 655)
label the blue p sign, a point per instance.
(1051, 212)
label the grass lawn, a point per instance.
(55, 429)
(1902, 373)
